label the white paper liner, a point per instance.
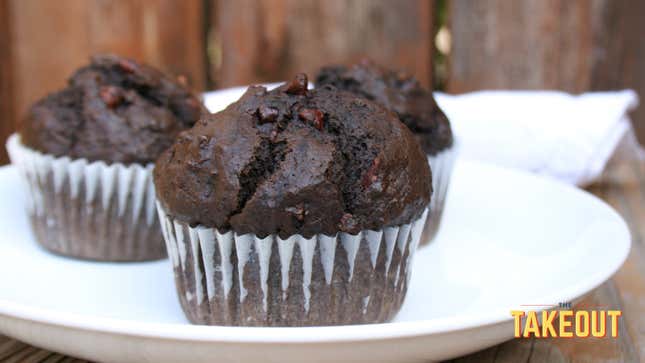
(210, 270)
(441, 165)
(89, 209)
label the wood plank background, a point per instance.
(569, 45)
(7, 117)
(304, 35)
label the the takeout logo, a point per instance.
(565, 323)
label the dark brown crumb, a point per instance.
(298, 211)
(400, 93)
(324, 164)
(347, 222)
(113, 110)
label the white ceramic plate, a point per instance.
(507, 239)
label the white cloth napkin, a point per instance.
(568, 137)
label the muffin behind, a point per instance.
(417, 109)
(86, 154)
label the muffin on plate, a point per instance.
(417, 109)
(293, 207)
(86, 153)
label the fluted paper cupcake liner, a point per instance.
(441, 166)
(89, 209)
(231, 279)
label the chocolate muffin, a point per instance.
(86, 153)
(416, 108)
(293, 207)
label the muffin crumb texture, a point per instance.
(398, 92)
(112, 110)
(295, 161)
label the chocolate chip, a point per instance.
(312, 116)
(298, 85)
(128, 65)
(370, 176)
(267, 114)
(111, 95)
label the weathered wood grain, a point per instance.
(619, 51)
(174, 38)
(44, 55)
(7, 117)
(629, 200)
(50, 39)
(519, 44)
(270, 40)
(570, 45)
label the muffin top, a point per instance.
(295, 161)
(114, 110)
(398, 92)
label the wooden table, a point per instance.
(622, 186)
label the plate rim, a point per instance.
(327, 334)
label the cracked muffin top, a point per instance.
(295, 161)
(399, 93)
(114, 110)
